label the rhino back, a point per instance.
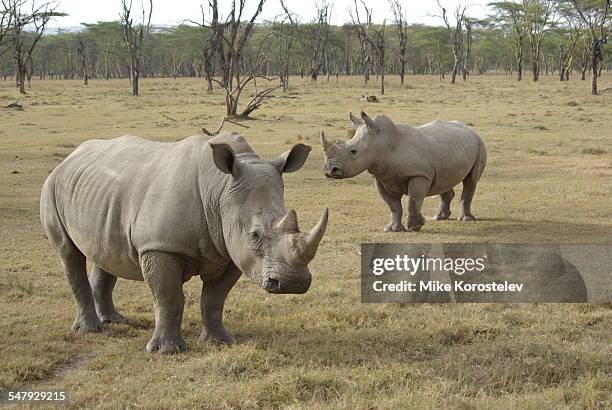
(119, 198)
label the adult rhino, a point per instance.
(418, 162)
(163, 212)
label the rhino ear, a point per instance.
(292, 160)
(356, 121)
(225, 159)
(369, 122)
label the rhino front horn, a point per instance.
(289, 222)
(316, 234)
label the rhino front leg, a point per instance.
(469, 187)
(444, 211)
(417, 190)
(395, 205)
(214, 293)
(163, 274)
(103, 284)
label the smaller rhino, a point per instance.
(415, 161)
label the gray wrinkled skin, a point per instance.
(415, 161)
(164, 212)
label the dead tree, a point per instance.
(595, 16)
(24, 33)
(207, 50)
(401, 29)
(6, 18)
(373, 40)
(314, 41)
(287, 30)
(229, 41)
(456, 36)
(362, 35)
(134, 36)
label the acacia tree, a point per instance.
(82, 53)
(25, 31)
(539, 18)
(401, 29)
(595, 15)
(134, 37)
(456, 35)
(513, 13)
(5, 22)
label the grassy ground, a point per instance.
(548, 179)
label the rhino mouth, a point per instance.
(296, 283)
(272, 285)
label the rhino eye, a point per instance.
(254, 239)
(353, 151)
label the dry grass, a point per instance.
(549, 178)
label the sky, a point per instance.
(170, 12)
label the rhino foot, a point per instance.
(395, 227)
(166, 345)
(415, 222)
(217, 337)
(114, 317)
(442, 216)
(83, 324)
(467, 218)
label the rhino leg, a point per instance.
(417, 190)
(444, 210)
(214, 293)
(469, 187)
(103, 284)
(394, 202)
(163, 274)
(86, 318)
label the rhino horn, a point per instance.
(315, 235)
(289, 222)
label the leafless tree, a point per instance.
(5, 23)
(207, 49)
(314, 40)
(456, 35)
(286, 32)
(25, 31)
(134, 36)
(469, 39)
(401, 29)
(596, 18)
(230, 38)
(362, 35)
(373, 40)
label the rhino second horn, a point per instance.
(289, 222)
(316, 234)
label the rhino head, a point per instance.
(263, 239)
(346, 159)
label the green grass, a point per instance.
(548, 179)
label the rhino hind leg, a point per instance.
(214, 293)
(163, 274)
(469, 187)
(86, 320)
(444, 211)
(102, 284)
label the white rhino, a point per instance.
(415, 161)
(163, 212)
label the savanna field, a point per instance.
(548, 179)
